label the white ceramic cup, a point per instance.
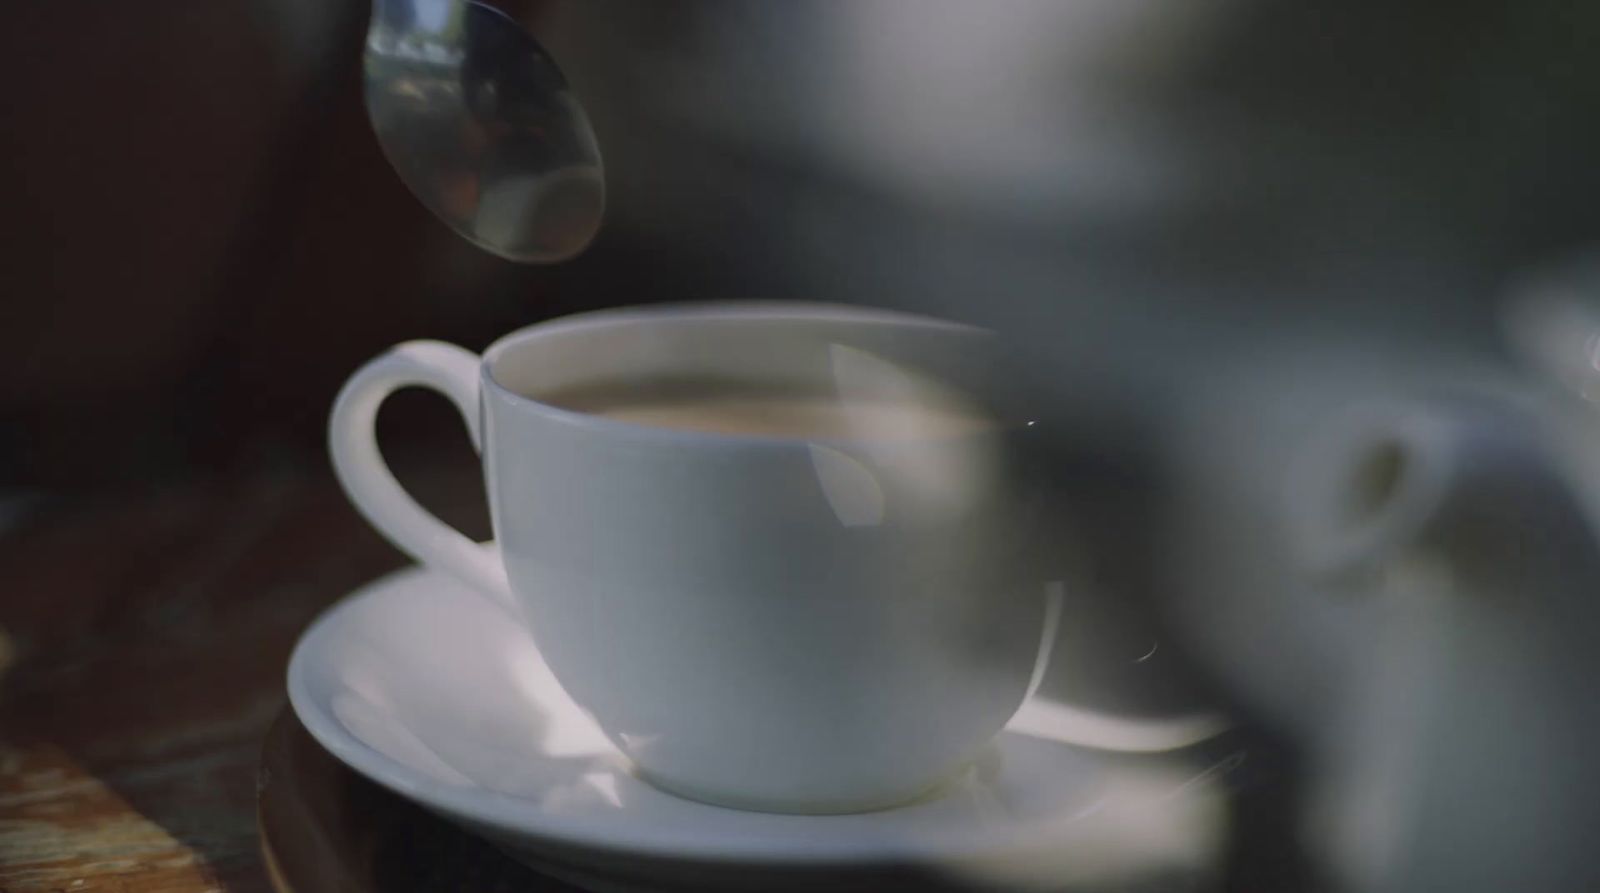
(789, 624)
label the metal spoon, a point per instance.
(480, 124)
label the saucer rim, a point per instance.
(516, 818)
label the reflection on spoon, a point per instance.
(480, 124)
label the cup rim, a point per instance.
(699, 310)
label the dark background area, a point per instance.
(203, 238)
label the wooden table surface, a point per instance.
(143, 641)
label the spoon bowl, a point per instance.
(482, 127)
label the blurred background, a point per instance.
(204, 238)
(1167, 205)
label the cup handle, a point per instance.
(371, 486)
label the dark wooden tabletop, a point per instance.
(143, 641)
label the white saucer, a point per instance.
(431, 691)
